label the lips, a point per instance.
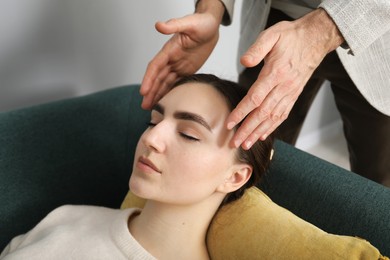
(146, 162)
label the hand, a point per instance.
(291, 52)
(195, 37)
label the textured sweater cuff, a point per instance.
(359, 22)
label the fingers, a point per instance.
(165, 87)
(250, 130)
(153, 69)
(265, 118)
(254, 98)
(180, 55)
(268, 125)
(288, 64)
(155, 74)
(279, 116)
(158, 86)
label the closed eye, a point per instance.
(188, 137)
(183, 135)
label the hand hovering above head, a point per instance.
(194, 38)
(291, 51)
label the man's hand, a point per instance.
(195, 37)
(291, 52)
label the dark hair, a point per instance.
(259, 155)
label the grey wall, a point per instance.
(54, 49)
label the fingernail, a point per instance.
(237, 143)
(230, 125)
(248, 144)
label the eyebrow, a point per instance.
(184, 116)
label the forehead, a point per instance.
(205, 101)
(197, 98)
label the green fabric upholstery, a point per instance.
(80, 151)
(76, 151)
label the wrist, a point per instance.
(324, 28)
(214, 7)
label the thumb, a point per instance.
(256, 53)
(175, 25)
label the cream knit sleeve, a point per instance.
(360, 22)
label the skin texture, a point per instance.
(184, 151)
(291, 51)
(194, 38)
(175, 169)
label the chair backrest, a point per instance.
(74, 151)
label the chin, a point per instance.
(138, 188)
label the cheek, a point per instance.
(202, 166)
(187, 168)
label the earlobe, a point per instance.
(239, 175)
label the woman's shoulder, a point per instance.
(79, 210)
(85, 213)
(73, 227)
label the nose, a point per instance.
(154, 138)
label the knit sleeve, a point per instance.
(360, 22)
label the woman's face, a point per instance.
(184, 155)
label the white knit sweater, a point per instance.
(79, 232)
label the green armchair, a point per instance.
(80, 151)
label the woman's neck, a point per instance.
(173, 232)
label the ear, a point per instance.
(237, 177)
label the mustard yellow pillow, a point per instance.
(254, 227)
